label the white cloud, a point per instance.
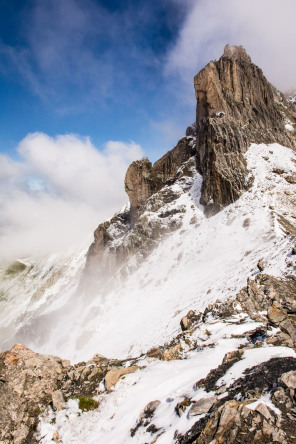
(266, 28)
(59, 192)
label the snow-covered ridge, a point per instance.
(203, 260)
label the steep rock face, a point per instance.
(291, 97)
(123, 242)
(236, 106)
(142, 179)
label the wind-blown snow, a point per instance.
(193, 267)
(200, 262)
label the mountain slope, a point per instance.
(182, 291)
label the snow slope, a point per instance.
(204, 260)
(194, 266)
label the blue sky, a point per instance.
(95, 68)
(88, 86)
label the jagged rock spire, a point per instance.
(236, 106)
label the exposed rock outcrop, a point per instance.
(236, 106)
(32, 382)
(142, 179)
(124, 241)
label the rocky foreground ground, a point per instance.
(257, 406)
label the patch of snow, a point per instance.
(289, 127)
(264, 399)
(251, 358)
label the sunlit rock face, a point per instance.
(236, 106)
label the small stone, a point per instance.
(293, 250)
(188, 320)
(56, 437)
(172, 353)
(278, 171)
(58, 401)
(263, 409)
(184, 323)
(291, 179)
(247, 222)
(261, 265)
(289, 379)
(151, 407)
(221, 390)
(203, 405)
(182, 406)
(113, 375)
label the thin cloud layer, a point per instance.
(266, 28)
(59, 192)
(76, 54)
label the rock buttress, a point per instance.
(236, 106)
(142, 179)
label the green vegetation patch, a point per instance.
(87, 403)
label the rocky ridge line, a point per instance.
(236, 106)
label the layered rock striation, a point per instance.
(236, 106)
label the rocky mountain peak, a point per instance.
(236, 52)
(236, 106)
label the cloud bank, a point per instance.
(266, 29)
(60, 190)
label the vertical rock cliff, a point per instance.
(236, 106)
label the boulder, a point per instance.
(203, 405)
(261, 265)
(289, 379)
(58, 401)
(276, 313)
(113, 375)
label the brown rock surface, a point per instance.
(32, 382)
(236, 106)
(203, 405)
(113, 375)
(28, 382)
(142, 179)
